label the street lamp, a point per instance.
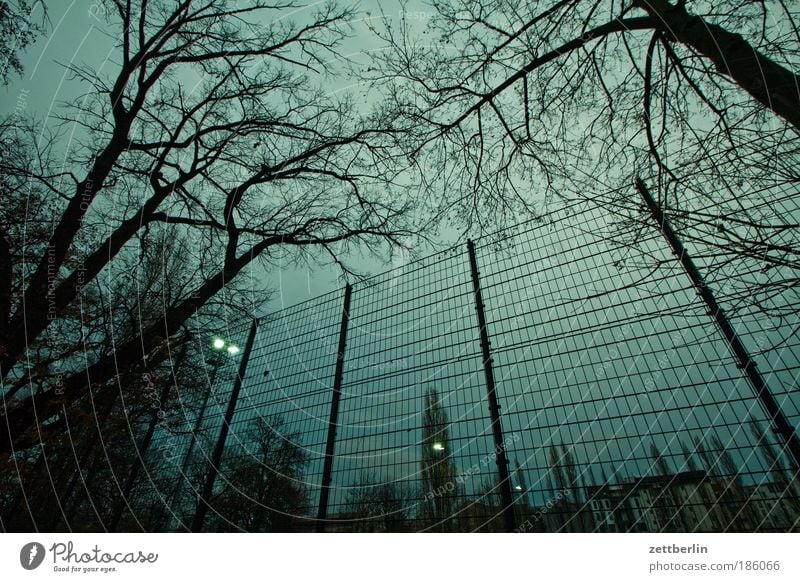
(216, 360)
(220, 344)
(216, 457)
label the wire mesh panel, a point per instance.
(413, 419)
(626, 409)
(621, 406)
(271, 474)
(746, 259)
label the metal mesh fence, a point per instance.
(412, 336)
(621, 406)
(629, 410)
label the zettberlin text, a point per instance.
(673, 549)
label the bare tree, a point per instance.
(441, 488)
(20, 26)
(77, 476)
(569, 508)
(537, 87)
(512, 102)
(380, 505)
(263, 490)
(215, 128)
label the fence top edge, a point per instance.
(497, 236)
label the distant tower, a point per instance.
(440, 486)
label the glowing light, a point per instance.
(218, 343)
(233, 350)
(518, 487)
(438, 447)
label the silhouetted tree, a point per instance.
(483, 512)
(382, 505)
(735, 511)
(263, 490)
(76, 478)
(704, 489)
(20, 26)
(667, 503)
(540, 90)
(512, 102)
(255, 162)
(569, 507)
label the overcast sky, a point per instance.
(78, 34)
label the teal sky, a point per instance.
(79, 35)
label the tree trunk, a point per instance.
(22, 423)
(774, 86)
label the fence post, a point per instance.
(782, 426)
(216, 458)
(327, 469)
(141, 450)
(494, 407)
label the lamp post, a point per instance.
(219, 447)
(216, 358)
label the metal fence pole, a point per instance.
(494, 407)
(330, 445)
(782, 426)
(141, 450)
(216, 458)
